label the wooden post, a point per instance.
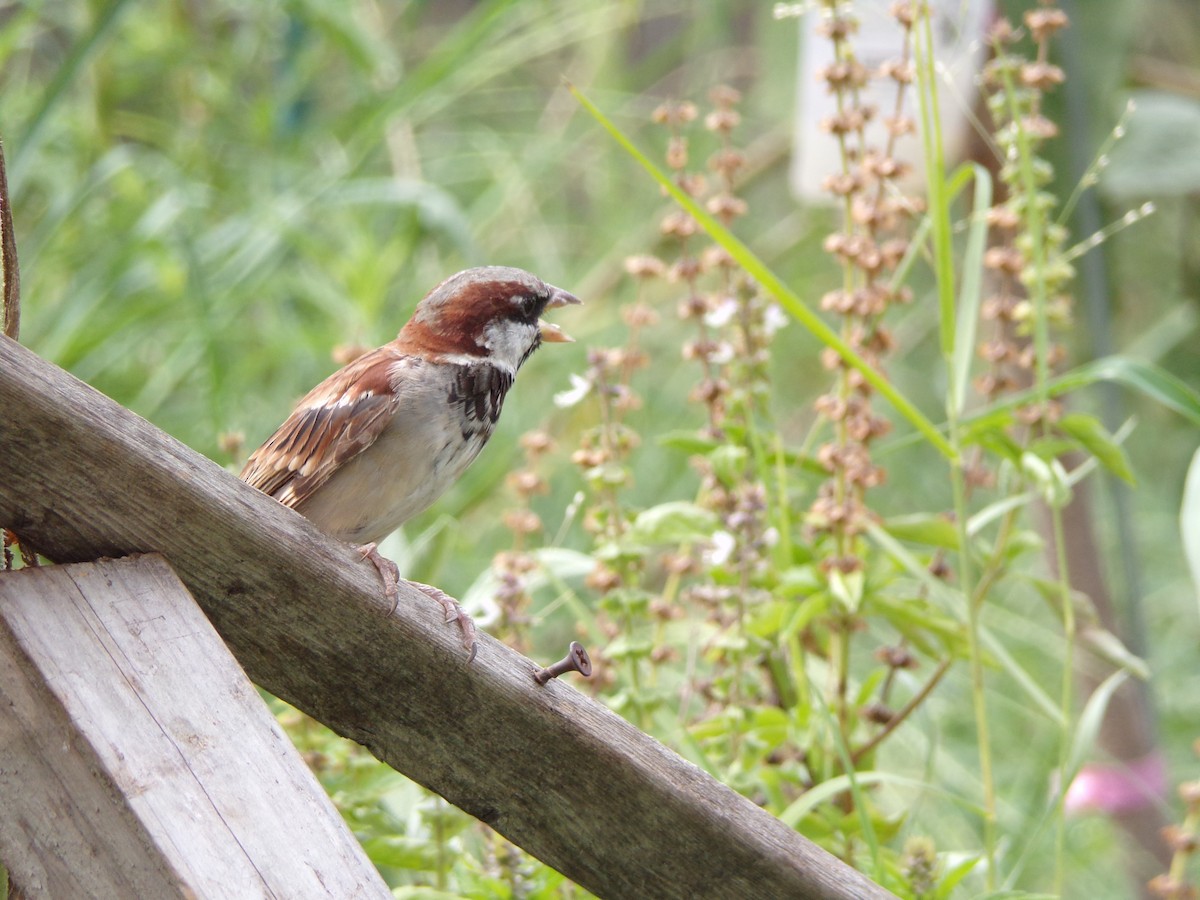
(550, 769)
(136, 758)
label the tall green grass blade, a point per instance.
(971, 290)
(1153, 381)
(939, 187)
(757, 269)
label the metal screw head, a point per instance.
(576, 660)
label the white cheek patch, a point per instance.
(510, 342)
(466, 359)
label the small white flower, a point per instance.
(722, 354)
(774, 318)
(722, 313)
(580, 388)
(720, 548)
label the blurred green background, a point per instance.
(209, 197)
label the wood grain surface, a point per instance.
(139, 761)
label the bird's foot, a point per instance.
(454, 613)
(389, 572)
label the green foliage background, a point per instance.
(209, 197)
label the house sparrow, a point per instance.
(378, 441)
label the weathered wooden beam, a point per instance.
(552, 770)
(139, 761)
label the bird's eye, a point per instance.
(533, 304)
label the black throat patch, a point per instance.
(478, 390)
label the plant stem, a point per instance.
(1068, 699)
(975, 650)
(943, 235)
(904, 712)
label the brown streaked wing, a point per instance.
(336, 421)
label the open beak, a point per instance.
(551, 333)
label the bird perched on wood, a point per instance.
(378, 441)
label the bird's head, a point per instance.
(491, 312)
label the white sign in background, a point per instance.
(959, 28)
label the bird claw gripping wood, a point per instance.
(454, 613)
(389, 572)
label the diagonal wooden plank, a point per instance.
(552, 770)
(138, 760)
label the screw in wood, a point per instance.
(576, 660)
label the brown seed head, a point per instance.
(675, 114)
(1040, 76)
(645, 266)
(722, 121)
(1044, 22)
(723, 95)
(677, 152)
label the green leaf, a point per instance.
(806, 611)
(827, 790)
(847, 588)
(769, 619)
(993, 435)
(1112, 649)
(1189, 520)
(919, 620)
(921, 528)
(799, 580)
(995, 510)
(675, 522)
(1088, 727)
(1096, 440)
(950, 880)
(1052, 447)
(815, 796)
(729, 463)
(688, 442)
(1154, 382)
(866, 690)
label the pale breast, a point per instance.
(439, 431)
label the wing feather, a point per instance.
(336, 421)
